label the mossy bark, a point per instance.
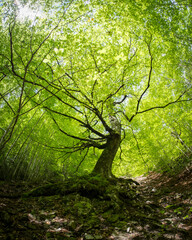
(104, 164)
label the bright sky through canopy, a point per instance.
(26, 12)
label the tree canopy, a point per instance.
(94, 86)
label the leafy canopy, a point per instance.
(75, 63)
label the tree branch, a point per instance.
(115, 103)
(86, 125)
(149, 79)
(113, 94)
(163, 106)
(78, 166)
(7, 103)
(2, 77)
(67, 134)
(46, 88)
(166, 105)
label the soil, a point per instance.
(160, 207)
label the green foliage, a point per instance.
(69, 64)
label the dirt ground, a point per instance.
(168, 197)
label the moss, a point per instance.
(83, 207)
(122, 225)
(92, 222)
(91, 187)
(46, 190)
(113, 218)
(86, 193)
(101, 206)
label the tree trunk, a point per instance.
(105, 161)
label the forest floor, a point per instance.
(165, 212)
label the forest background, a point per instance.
(94, 86)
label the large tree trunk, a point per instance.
(105, 161)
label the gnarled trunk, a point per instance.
(105, 161)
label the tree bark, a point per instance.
(105, 161)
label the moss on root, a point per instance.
(93, 200)
(88, 186)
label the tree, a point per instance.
(93, 70)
